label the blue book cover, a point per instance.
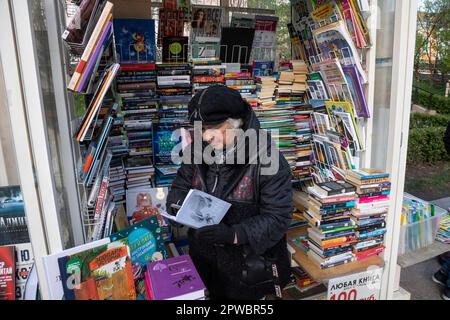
(164, 141)
(135, 40)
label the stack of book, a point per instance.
(332, 231)
(300, 70)
(266, 91)
(278, 120)
(137, 88)
(373, 189)
(243, 82)
(117, 180)
(174, 279)
(302, 116)
(174, 79)
(173, 118)
(207, 73)
(285, 82)
(140, 172)
(443, 234)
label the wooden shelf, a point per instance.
(323, 276)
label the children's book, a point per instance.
(146, 244)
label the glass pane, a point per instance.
(383, 81)
(15, 246)
(53, 133)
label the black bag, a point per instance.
(260, 271)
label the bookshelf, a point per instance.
(323, 276)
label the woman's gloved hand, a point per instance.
(217, 234)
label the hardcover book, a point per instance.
(175, 279)
(7, 273)
(101, 272)
(135, 40)
(13, 223)
(146, 245)
(175, 49)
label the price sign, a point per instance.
(360, 286)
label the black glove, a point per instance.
(217, 234)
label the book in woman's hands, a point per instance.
(199, 210)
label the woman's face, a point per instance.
(200, 15)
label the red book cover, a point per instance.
(7, 273)
(373, 199)
(369, 253)
(138, 67)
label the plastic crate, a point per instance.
(415, 236)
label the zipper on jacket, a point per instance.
(216, 179)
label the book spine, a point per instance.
(105, 17)
(95, 57)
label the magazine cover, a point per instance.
(135, 40)
(265, 31)
(13, 222)
(146, 244)
(357, 91)
(205, 24)
(334, 41)
(7, 273)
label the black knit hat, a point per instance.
(216, 104)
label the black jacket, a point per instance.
(261, 213)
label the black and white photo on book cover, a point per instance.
(200, 209)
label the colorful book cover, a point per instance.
(13, 223)
(143, 203)
(113, 275)
(357, 91)
(164, 141)
(7, 273)
(263, 68)
(135, 40)
(175, 49)
(334, 41)
(146, 244)
(175, 278)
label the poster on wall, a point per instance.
(360, 286)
